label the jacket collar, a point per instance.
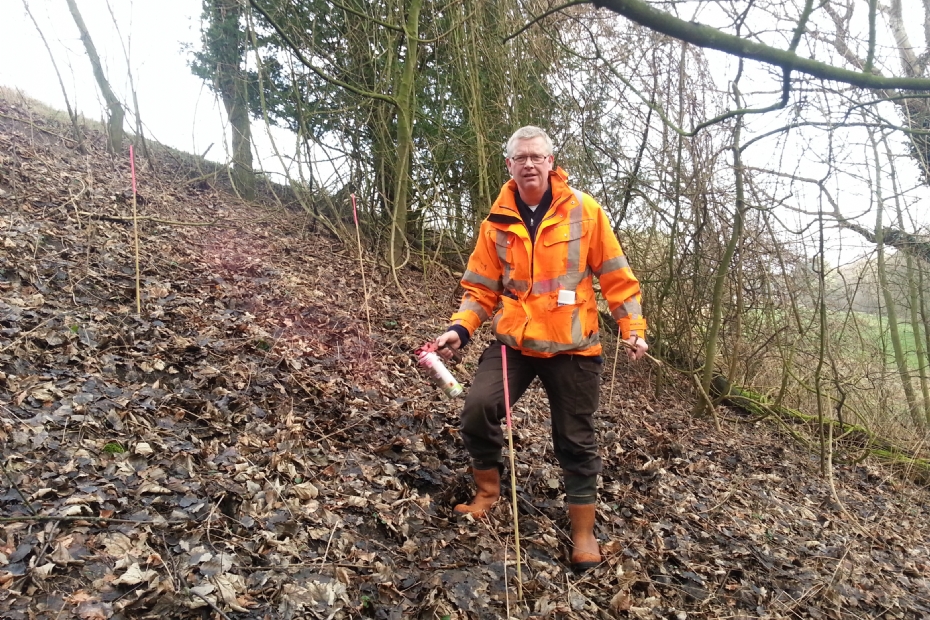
(506, 204)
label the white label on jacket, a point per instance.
(566, 298)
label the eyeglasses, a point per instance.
(522, 159)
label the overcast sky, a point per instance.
(175, 106)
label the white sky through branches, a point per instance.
(180, 111)
(176, 108)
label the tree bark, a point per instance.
(226, 44)
(899, 357)
(115, 112)
(915, 297)
(406, 110)
(720, 275)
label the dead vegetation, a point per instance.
(244, 449)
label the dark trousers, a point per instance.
(572, 383)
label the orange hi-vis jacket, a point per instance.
(574, 242)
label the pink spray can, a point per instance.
(439, 373)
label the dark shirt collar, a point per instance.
(544, 203)
(532, 218)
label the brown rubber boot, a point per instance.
(488, 482)
(585, 552)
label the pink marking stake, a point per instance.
(513, 475)
(132, 167)
(135, 230)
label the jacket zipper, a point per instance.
(550, 214)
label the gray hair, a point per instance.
(528, 133)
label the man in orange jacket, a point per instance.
(537, 253)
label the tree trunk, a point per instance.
(720, 276)
(225, 42)
(915, 297)
(899, 357)
(237, 108)
(924, 319)
(406, 110)
(115, 112)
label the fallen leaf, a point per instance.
(305, 491)
(94, 611)
(143, 449)
(134, 575)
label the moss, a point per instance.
(845, 435)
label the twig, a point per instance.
(660, 363)
(17, 489)
(506, 589)
(328, 543)
(34, 126)
(40, 518)
(708, 400)
(22, 336)
(145, 218)
(50, 533)
(539, 18)
(353, 566)
(726, 497)
(836, 498)
(209, 602)
(654, 360)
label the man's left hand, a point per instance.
(638, 347)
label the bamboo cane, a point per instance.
(358, 237)
(135, 230)
(613, 373)
(513, 476)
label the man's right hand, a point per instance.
(447, 344)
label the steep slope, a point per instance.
(250, 447)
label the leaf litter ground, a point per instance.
(247, 449)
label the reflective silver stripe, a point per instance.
(476, 278)
(541, 287)
(547, 346)
(569, 282)
(573, 258)
(469, 304)
(614, 264)
(627, 308)
(517, 286)
(507, 339)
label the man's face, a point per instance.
(532, 177)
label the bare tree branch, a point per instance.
(706, 36)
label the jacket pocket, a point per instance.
(561, 325)
(563, 234)
(566, 249)
(503, 245)
(510, 319)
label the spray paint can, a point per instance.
(439, 373)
